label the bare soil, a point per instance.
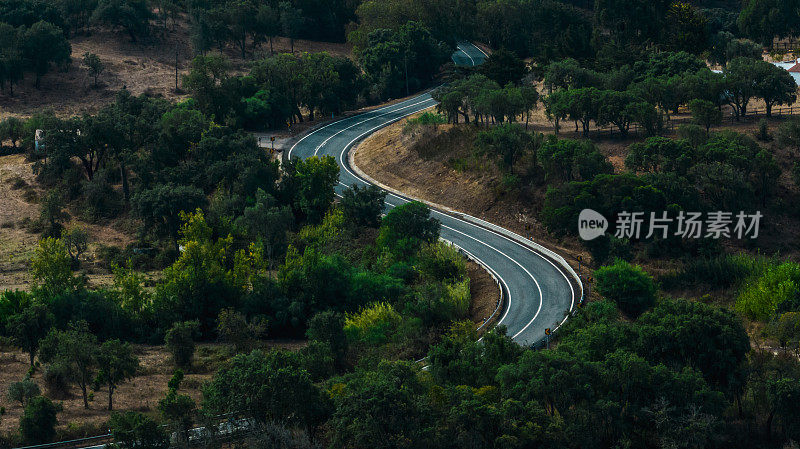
(143, 67)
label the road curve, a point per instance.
(538, 291)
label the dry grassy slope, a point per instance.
(428, 174)
(387, 156)
(141, 393)
(18, 193)
(147, 66)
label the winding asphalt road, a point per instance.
(538, 291)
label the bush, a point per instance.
(630, 287)
(441, 262)
(428, 119)
(23, 391)
(100, 200)
(57, 380)
(776, 290)
(180, 342)
(38, 422)
(135, 430)
(718, 272)
(458, 296)
(373, 324)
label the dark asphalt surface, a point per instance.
(539, 296)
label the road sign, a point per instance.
(272, 138)
(547, 331)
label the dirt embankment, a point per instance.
(401, 162)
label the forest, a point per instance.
(683, 342)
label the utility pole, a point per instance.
(405, 65)
(176, 67)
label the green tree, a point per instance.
(406, 227)
(11, 56)
(786, 329)
(133, 16)
(705, 113)
(363, 206)
(775, 85)
(242, 19)
(291, 21)
(178, 410)
(508, 141)
(116, 363)
(28, 327)
(76, 241)
(777, 289)
(51, 213)
(570, 160)
(75, 348)
(630, 287)
(789, 134)
(264, 387)
(179, 340)
(160, 207)
(328, 327)
(530, 98)
(23, 391)
(382, 408)
(711, 340)
(134, 430)
(51, 268)
(504, 67)
(267, 223)
(38, 422)
(310, 185)
(94, 65)
(741, 83)
(205, 82)
(44, 44)
(764, 20)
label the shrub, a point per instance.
(23, 391)
(776, 290)
(458, 296)
(428, 119)
(373, 324)
(38, 421)
(57, 380)
(441, 262)
(180, 342)
(135, 430)
(719, 272)
(100, 200)
(630, 287)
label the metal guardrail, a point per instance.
(74, 442)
